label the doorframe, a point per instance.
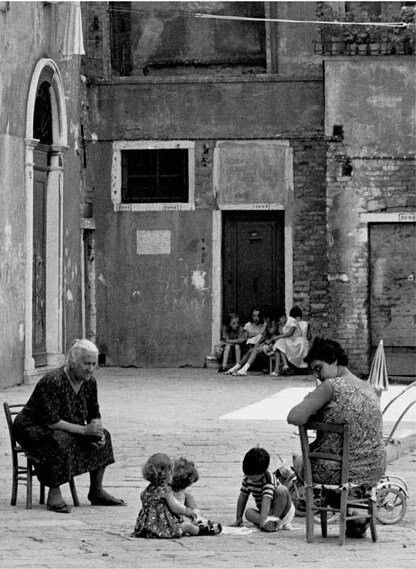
(217, 225)
(46, 70)
(367, 219)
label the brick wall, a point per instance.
(309, 247)
(384, 184)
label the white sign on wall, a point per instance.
(154, 242)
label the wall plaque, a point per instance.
(154, 242)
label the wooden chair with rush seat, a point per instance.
(317, 504)
(25, 473)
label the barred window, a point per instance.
(154, 175)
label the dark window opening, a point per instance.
(42, 121)
(347, 168)
(154, 175)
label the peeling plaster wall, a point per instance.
(12, 262)
(30, 31)
(379, 145)
(156, 310)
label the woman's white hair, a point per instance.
(80, 346)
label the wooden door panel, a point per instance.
(39, 258)
(393, 294)
(253, 271)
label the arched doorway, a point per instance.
(45, 143)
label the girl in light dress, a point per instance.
(161, 513)
(293, 343)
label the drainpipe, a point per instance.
(90, 261)
(89, 309)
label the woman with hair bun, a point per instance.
(342, 398)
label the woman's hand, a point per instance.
(94, 429)
(190, 513)
(100, 443)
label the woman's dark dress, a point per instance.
(56, 454)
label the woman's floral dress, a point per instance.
(155, 520)
(356, 404)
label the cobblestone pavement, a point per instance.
(179, 412)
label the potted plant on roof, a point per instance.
(362, 40)
(350, 34)
(407, 32)
(330, 32)
(374, 35)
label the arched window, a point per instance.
(42, 121)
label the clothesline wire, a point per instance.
(255, 19)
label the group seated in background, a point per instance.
(284, 340)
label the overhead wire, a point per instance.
(230, 17)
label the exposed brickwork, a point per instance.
(309, 246)
(384, 184)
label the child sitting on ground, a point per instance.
(274, 508)
(233, 336)
(160, 513)
(185, 474)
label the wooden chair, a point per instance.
(317, 504)
(23, 473)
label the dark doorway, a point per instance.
(42, 131)
(392, 294)
(253, 261)
(40, 173)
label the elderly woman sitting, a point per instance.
(60, 429)
(342, 398)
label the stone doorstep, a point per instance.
(403, 443)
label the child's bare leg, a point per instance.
(277, 362)
(242, 362)
(226, 355)
(189, 528)
(253, 355)
(284, 360)
(237, 353)
(253, 516)
(281, 502)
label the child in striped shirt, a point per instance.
(274, 508)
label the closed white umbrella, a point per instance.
(378, 373)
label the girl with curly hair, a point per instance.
(162, 516)
(184, 475)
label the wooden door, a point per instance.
(253, 261)
(393, 294)
(41, 163)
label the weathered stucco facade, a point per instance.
(299, 182)
(31, 36)
(258, 145)
(259, 114)
(370, 180)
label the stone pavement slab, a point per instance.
(181, 412)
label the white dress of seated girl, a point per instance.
(295, 346)
(254, 332)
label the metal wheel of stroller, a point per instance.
(391, 505)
